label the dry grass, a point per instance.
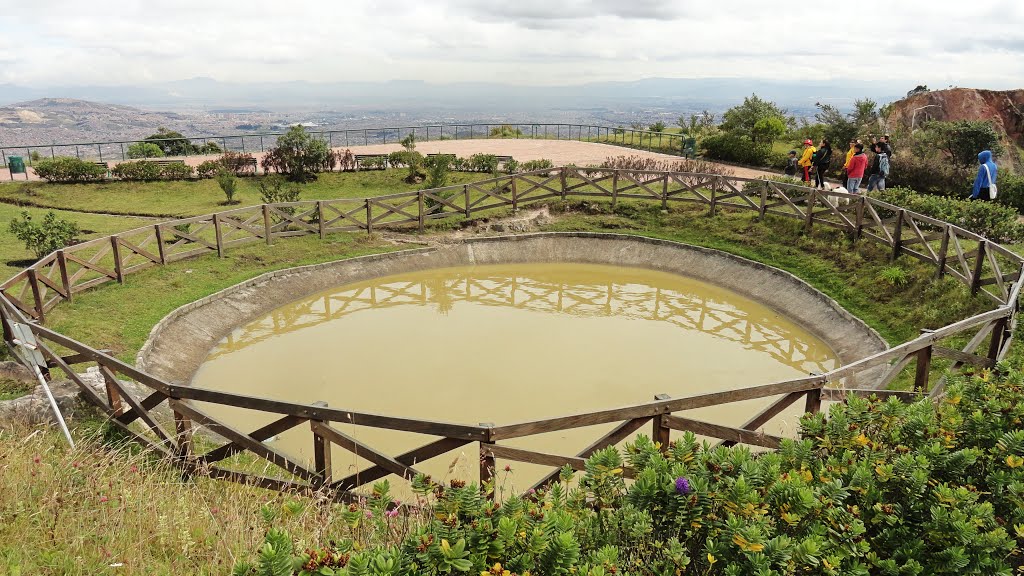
(106, 508)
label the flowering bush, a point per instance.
(873, 488)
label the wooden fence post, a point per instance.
(859, 228)
(158, 232)
(809, 219)
(36, 295)
(924, 367)
(321, 452)
(999, 333)
(268, 229)
(113, 395)
(369, 217)
(978, 267)
(218, 236)
(762, 206)
(714, 187)
(897, 235)
(660, 432)
(486, 461)
(183, 439)
(320, 218)
(515, 197)
(465, 193)
(420, 207)
(813, 403)
(561, 173)
(615, 188)
(943, 249)
(664, 193)
(65, 279)
(115, 246)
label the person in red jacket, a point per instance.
(855, 171)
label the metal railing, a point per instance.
(118, 150)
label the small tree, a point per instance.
(299, 155)
(962, 140)
(438, 170)
(742, 120)
(144, 150)
(658, 126)
(409, 142)
(52, 233)
(273, 189)
(171, 143)
(228, 182)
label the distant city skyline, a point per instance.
(527, 42)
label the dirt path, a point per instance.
(560, 152)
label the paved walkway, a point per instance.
(560, 152)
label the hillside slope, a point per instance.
(1004, 108)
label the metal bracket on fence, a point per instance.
(27, 350)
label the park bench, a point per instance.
(165, 162)
(503, 159)
(379, 161)
(104, 165)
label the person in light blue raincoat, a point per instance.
(985, 178)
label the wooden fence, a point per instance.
(983, 266)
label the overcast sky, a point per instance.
(110, 42)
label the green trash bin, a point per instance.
(16, 164)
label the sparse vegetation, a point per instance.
(144, 150)
(298, 155)
(45, 235)
(228, 183)
(65, 169)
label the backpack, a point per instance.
(992, 188)
(883, 164)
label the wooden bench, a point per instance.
(503, 159)
(163, 162)
(104, 165)
(383, 158)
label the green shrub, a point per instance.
(506, 131)
(871, 487)
(208, 169)
(511, 166)
(735, 148)
(927, 175)
(68, 169)
(228, 183)
(1011, 190)
(139, 171)
(990, 219)
(541, 164)
(298, 155)
(176, 171)
(52, 233)
(274, 189)
(657, 127)
(145, 150)
(482, 163)
(894, 276)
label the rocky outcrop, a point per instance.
(1005, 109)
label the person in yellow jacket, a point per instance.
(849, 155)
(807, 159)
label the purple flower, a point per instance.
(682, 485)
(369, 514)
(391, 513)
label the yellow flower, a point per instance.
(1014, 461)
(861, 440)
(711, 558)
(806, 475)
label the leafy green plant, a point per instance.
(228, 183)
(274, 189)
(43, 237)
(531, 165)
(69, 169)
(894, 276)
(506, 131)
(176, 171)
(482, 163)
(144, 150)
(139, 171)
(297, 155)
(996, 221)
(658, 126)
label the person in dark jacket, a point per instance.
(879, 168)
(985, 178)
(886, 145)
(822, 160)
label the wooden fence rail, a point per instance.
(166, 416)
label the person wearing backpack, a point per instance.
(985, 181)
(879, 168)
(822, 160)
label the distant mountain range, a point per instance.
(208, 94)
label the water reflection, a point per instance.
(627, 293)
(504, 344)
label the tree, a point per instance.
(839, 127)
(962, 140)
(742, 120)
(696, 124)
(865, 112)
(172, 143)
(409, 142)
(228, 182)
(299, 155)
(51, 234)
(921, 89)
(767, 130)
(658, 126)
(144, 150)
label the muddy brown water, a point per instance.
(508, 343)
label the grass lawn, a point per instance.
(171, 199)
(13, 254)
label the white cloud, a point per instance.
(59, 42)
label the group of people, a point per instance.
(815, 161)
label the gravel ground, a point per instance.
(560, 152)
